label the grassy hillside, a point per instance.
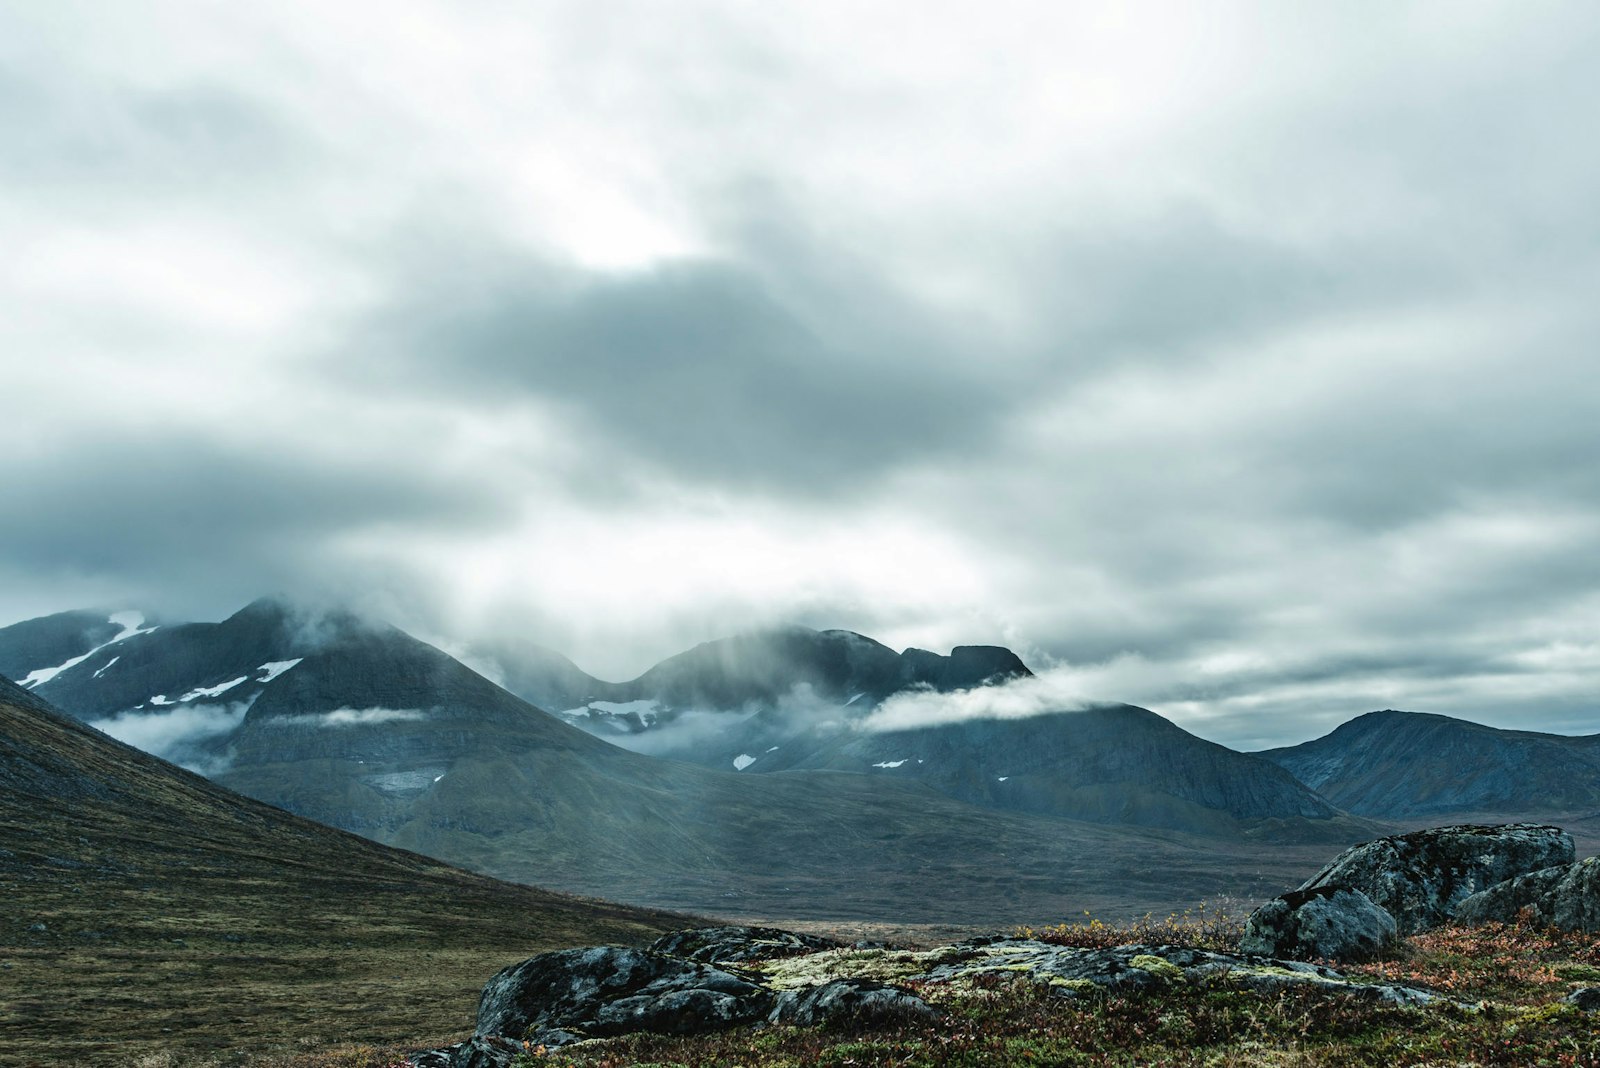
(147, 910)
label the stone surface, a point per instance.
(849, 1000)
(1586, 998)
(1420, 878)
(737, 945)
(554, 998)
(1565, 897)
(484, 1051)
(1138, 967)
(1328, 923)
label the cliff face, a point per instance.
(1393, 765)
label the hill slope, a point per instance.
(1395, 765)
(1111, 764)
(146, 906)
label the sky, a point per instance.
(1232, 359)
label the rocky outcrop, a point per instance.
(559, 998)
(1565, 897)
(1328, 923)
(738, 945)
(1420, 878)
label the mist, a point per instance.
(183, 734)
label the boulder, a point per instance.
(738, 945)
(1328, 923)
(1420, 878)
(1565, 897)
(846, 1001)
(556, 998)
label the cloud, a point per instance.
(351, 717)
(1019, 698)
(190, 735)
(1240, 359)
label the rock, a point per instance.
(555, 998)
(1328, 923)
(1565, 897)
(850, 1001)
(1420, 878)
(1586, 998)
(1123, 969)
(485, 1051)
(738, 945)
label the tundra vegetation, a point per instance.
(1503, 987)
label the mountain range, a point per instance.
(746, 775)
(360, 726)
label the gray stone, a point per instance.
(1420, 878)
(738, 945)
(850, 1001)
(1131, 968)
(1586, 998)
(555, 998)
(1328, 923)
(485, 1051)
(1565, 897)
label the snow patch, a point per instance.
(854, 699)
(129, 622)
(211, 691)
(893, 763)
(1003, 778)
(774, 749)
(274, 668)
(436, 778)
(742, 761)
(108, 664)
(161, 699)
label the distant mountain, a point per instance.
(1393, 765)
(1111, 764)
(146, 906)
(37, 650)
(363, 727)
(748, 693)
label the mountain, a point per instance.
(746, 694)
(148, 907)
(363, 727)
(37, 650)
(1111, 764)
(1394, 765)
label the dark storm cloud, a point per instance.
(206, 525)
(704, 368)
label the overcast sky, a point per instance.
(1237, 360)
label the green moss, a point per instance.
(1157, 966)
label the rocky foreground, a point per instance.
(718, 978)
